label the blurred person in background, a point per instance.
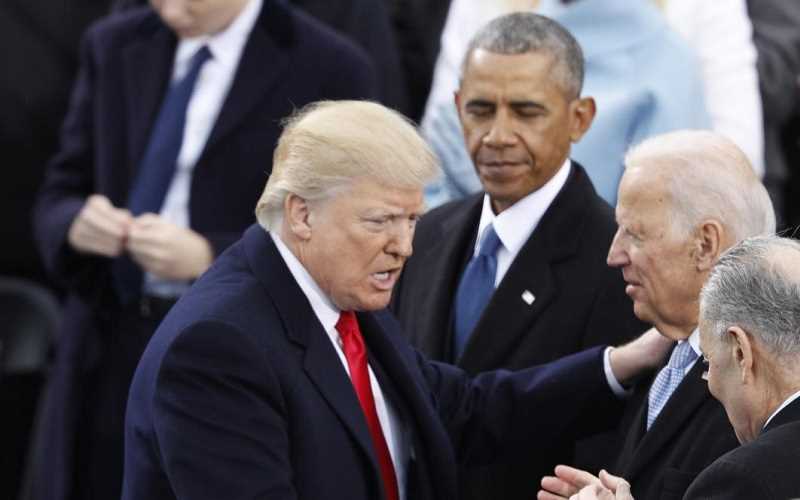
(776, 33)
(167, 141)
(39, 49)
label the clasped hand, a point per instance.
(159, 247)
(575, 484)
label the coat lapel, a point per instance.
(320, 362)
(153, 50)
(263, 62)
(448, 256)
(681, 406)
(435, 450)
(528, 287)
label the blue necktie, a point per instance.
(158, 163)
(475, 290)
(157, 167)
(668, 379)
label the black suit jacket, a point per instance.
(240, 394)
(765, 469)
(691, 432)
(288, 60)
(776, 35)
(579, 302)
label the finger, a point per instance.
(623, 491)
(558, 486)
(576, 477)
(148, 219)
(87, 236)
(609, 480)
(546, 495)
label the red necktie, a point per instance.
(356, 354)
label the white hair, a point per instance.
(756, 286)
(708, 178)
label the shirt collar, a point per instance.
(694, 341)
(783, 405)
(515, 224)
(226, 46)
(326, 312)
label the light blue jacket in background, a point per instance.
(644, 78)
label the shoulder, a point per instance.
(293, 28)
(761, 469)
(443, 214)
(579, 194)
(125, 26)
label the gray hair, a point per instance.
(523, 32)
(327, 145)
(756, 285)
(708, 176)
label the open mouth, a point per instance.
(385, 280)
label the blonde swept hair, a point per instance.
(327, 145)
(708, 176)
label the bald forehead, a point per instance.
(643, 185)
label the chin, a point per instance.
(372, 303)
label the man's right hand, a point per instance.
(100, 228)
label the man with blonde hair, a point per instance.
(684, 199)
(280, 374)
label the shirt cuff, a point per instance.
(613, 383)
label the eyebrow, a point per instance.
(527, 105)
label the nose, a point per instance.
(401, 241)
(501, 134)
(617, 256)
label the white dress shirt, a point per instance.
(210, 90)
(328, 316)
(515, 224)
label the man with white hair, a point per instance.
(685, 197)
(750, 337)
(280, 374)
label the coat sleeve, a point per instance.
(502, 416)
(69, 180)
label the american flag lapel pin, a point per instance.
(528, 297)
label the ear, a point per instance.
(741, 348)
(707, 244)
(583, 110)
(297, 217)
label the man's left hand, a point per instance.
(570, 483)
(166, 250)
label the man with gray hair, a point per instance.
(685, 197)
(281, 375)
(516, 275)
(750, 338)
